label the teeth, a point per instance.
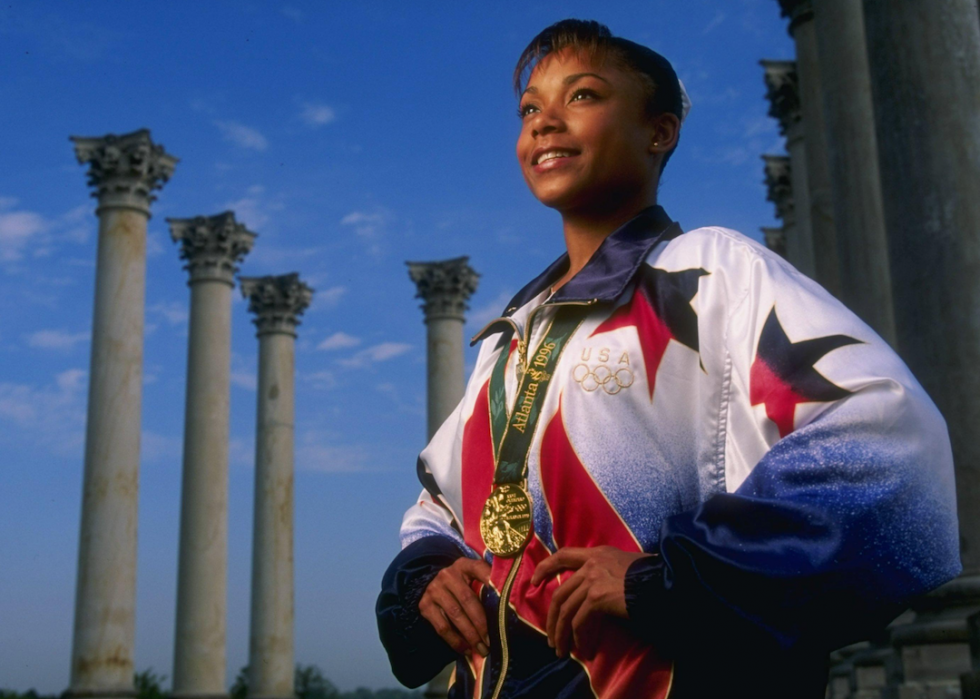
(552, 154)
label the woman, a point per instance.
(648, 464)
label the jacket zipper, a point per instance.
(522, 341)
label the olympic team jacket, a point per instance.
(723, 412)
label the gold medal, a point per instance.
(506, 520)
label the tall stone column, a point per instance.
(124, 170)
(804, 33)
(783, 92)
(779, 183)
(212, 246)
(925, 73)
(277, 303)
(445, 288)
(853, 150)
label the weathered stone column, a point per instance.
(925, 73)
(445, 288)
(804, 33)
(124, 170)
(783, 92)
(779, 183)
(213, 246)
(277, 303)
(853, 151)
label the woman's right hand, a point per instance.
(452, 607)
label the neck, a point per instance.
(585, 231)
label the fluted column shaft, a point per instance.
(212, 246)
(853, 152)
(925, 73)
(815, 141)
(445, 287)
(277, 303)
(124, 170)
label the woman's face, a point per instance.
(586, 143)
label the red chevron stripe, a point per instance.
(477, 468)
(781, 400)
(653, 332)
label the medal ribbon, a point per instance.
(512, 433)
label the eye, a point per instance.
(525, 109)
(584, 93)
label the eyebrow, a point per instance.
(568, 81)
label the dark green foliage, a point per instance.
(149, 685)
(310, 683)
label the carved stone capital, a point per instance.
(444, 286)
(277, 302)
(783, 93)
(212, 245)
(776, 240)
(124, 170)
(779, 182)
(798, 11)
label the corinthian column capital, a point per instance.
(277, 302)
(212, 245)
(783, 93)
(798, 11)
(444, 286)
(779, 182)
(124, 170)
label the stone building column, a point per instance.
(277, 303)
(925, 72)
(853, 151)
(124, 170)
(445, 288)
(779, 183)
(803, 31)
(212, 246)
(783, 92)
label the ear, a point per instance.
(664, 133)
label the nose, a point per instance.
(546, 121)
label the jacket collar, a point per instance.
(610, 269)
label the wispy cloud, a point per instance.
(256, 208)
(156, 447)
(381, 352)
(173, 312)
(293, 13)
(242, 135)
(321, 380)
(51, 416)
(17, 229)
(339, 340)
(714, 23)
(317, 115)
(316, 452)
(483, 314)
(369, 226)
(56, 339)
(328, 298)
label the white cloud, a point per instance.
(714, 23)
(8, 202)
(255, 209)
(241, 135)
(293, 13)
(317, 115)
(56, 339)
(247, 381)
(328, 297)
(321, 380)
(339, 340)
(381, 352)
(155, 447)
(370, 226)
(173, 312)
(51, 416)
(16, 229)
(482, 315)
(314, 452)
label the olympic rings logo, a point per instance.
(604, 377)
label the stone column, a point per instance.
(925, 72)
(853, 151)
(213, 246)
(124, 170)
(445, 288)
(804, 33)
(783, 92)
(779, 183)
(277, 303)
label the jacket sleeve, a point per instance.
(846, 513)
(430, 541)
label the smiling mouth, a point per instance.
(552, 154)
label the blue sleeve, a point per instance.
(416, 652)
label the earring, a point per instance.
(656, 143)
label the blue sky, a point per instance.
(351, 137)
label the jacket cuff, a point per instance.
(645, 599)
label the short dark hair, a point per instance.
(660, 84)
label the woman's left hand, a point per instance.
(597, 587)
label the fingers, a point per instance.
(585, 628)
(475, 569)
(563, 624)
(473, 615)
(563, 559)
(434, 615)
(453, 608)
